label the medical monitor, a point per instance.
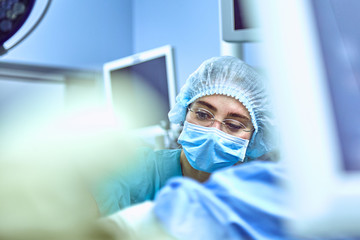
(144, 85)
(237, 23)
(312, 55)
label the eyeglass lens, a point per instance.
(206, 118)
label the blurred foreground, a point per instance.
(47, 168)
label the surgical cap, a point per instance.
(230, 76)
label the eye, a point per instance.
(234, 125)
(203, 115)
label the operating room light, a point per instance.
(13, 15)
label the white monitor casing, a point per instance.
(325, 199)
(166, 51)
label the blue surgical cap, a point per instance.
(230, 76)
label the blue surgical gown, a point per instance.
(246, 201)
(139, 182)
(240, 202)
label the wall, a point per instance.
(192, 27)
(78, 34)
(86, 36)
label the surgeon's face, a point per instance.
(230, 115)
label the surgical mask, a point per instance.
(208, 149)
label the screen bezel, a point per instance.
(228, 31)
(166, 51)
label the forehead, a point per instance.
(225, 104)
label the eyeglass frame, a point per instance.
(213, 119)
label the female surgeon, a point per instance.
(224, 111)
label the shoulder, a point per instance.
(168, 164)
(168, 153)
(161, 165)
(162, 153)
(157, 157)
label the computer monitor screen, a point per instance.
(311, 51)
(142, 84)
(237, 22)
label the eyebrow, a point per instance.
(236, 115)
(207, 105)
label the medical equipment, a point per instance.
(13, 15)
(236, 21)
(145, 84)
(239, 29)
(311, 55)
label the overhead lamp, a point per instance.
(13, 15)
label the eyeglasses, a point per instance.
(206, 118)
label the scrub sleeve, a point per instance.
(138, 182)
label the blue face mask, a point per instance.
(208, 149)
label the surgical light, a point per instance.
(13, 15)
